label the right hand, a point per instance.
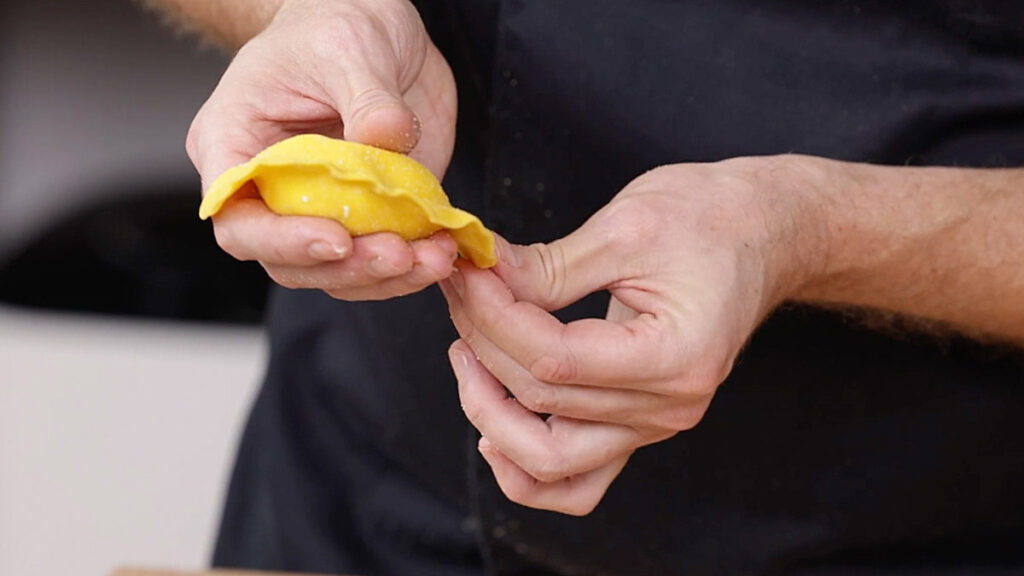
(694, 256)
(363, 70)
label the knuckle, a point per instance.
(701, 379)
(724, 369)
(538, 397)
(284, 280)
(472, 410)
(520, 491)
(680, 419)
(634, 220)
(552, 263)
(419, 278)
(689, 385)
(370, 98)
(339, 294)
(563, 369)
(279, 253)
(582, 504)
(487, 317)
(661, 435)
(473, 413)
(192, 142)
(227, 240)
(467, 329)
(400, 290)
(552, 466)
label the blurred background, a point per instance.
(129, 345)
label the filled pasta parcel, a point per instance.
(364, 188)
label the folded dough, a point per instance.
(364, 188)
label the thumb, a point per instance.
(373, 112)
(384, 121)
(557, 274)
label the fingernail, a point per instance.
(506, 253)
(381, 268)
(484, 445)
(322, 250)
(458, 357)
(446, 242)
(458, 282)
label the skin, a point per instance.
(228, 23)
(694, 255)
(721, 245)
(364, 70)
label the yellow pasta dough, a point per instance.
(364, 188)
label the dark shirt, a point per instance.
(833, 448)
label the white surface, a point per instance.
(116, 439)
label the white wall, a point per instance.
(116, 439)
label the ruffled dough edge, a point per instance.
(474, 240)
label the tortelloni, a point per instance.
(364, 188)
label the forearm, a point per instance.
(229, 23)
(943, 244)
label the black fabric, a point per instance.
(327, 479)
(833, 449)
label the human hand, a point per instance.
(694, 257)
(364, 70)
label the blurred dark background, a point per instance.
(97, 198)
(129, 350)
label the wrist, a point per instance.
(903, 239)
(791, 212)
(221, 22)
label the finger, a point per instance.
(369, 75)
(555, 275)
(246, 229)
(375, 259)
(379, 120)
(217, 141)
(627, 407)
(591, 352)
(371, 104)
(217, 146)
(619, 312)
(547, 450)
(367, 276)
(433, 258)
(576, 495)
(244, 115)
